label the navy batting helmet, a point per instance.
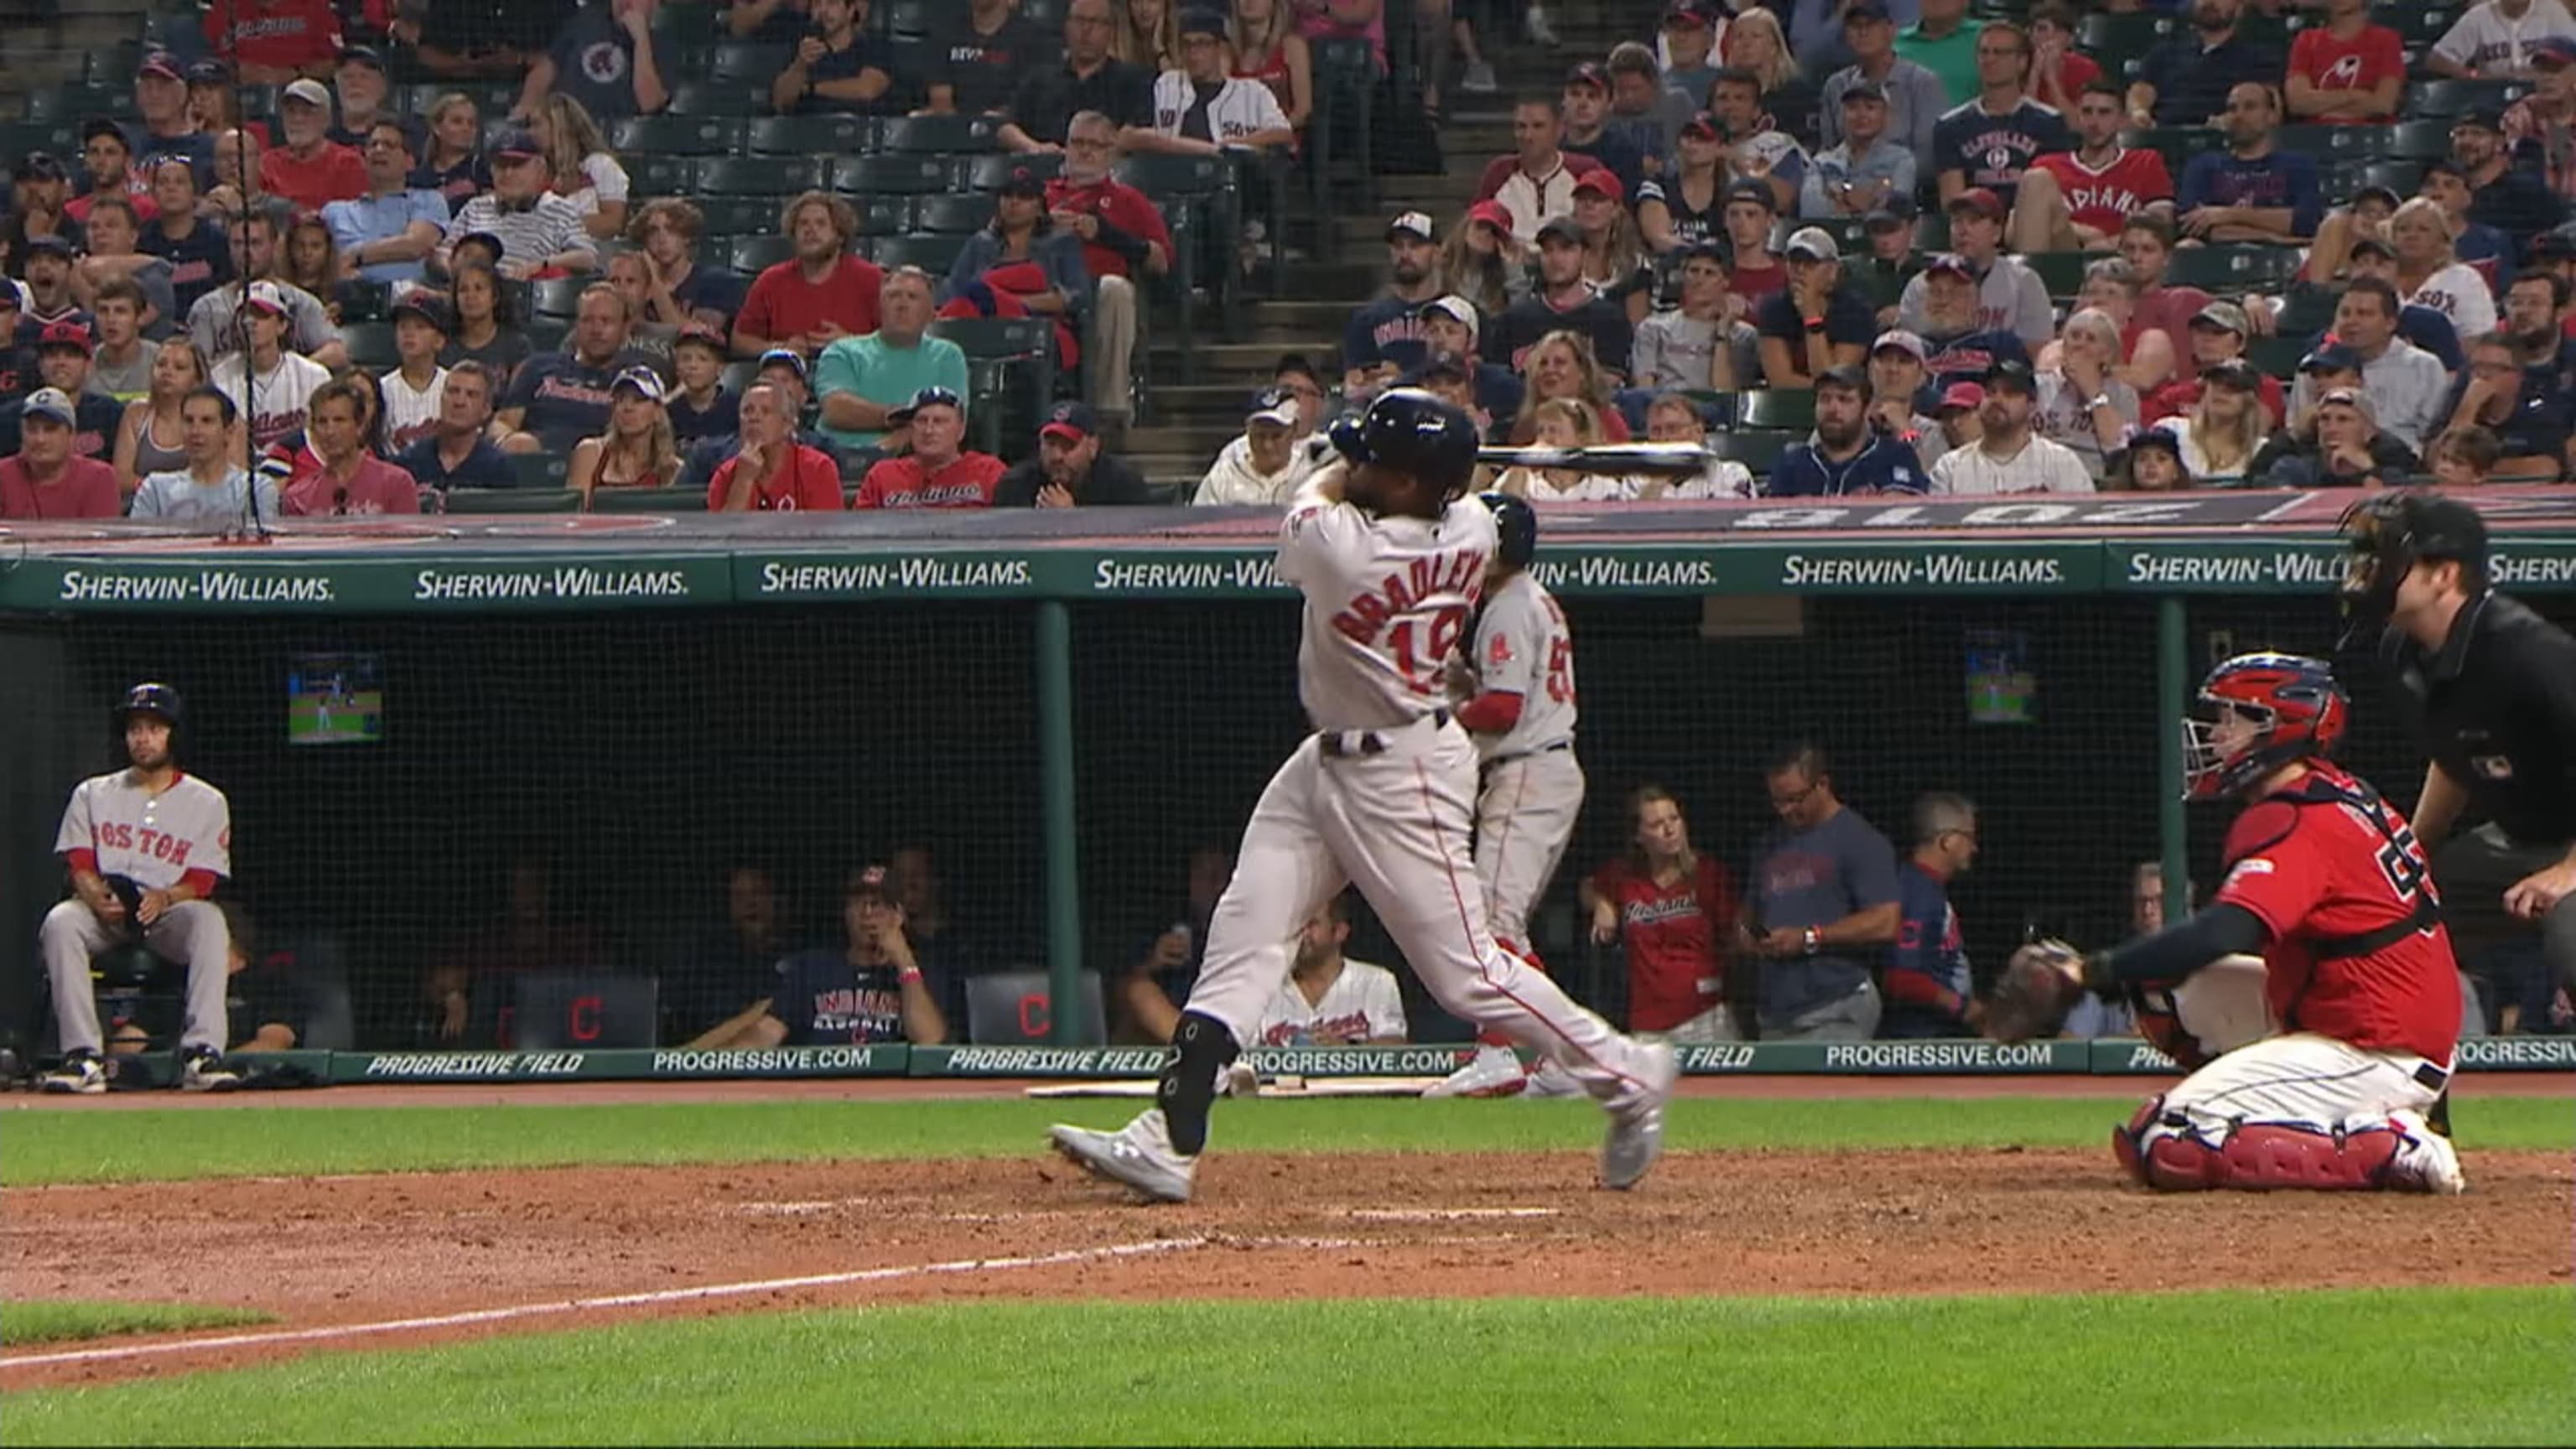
(1516, 525)
(1413, 431)
(148, 698)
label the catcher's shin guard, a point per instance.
(1205, 1046)
(2127, 1141)
(2260, 1156)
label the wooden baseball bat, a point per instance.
(1677, 459)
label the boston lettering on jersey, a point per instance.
(158, 844)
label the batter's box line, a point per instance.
(479, 1316)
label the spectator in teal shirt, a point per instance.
(1944, 42)
(859, 380)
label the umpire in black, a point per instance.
(2490, 688)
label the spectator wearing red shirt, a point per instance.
(773, 472)
(311, 170)
(45, 478)
(271, 42)
(2079, 200)
(109, 159)
(1123, 240)
(939, 472)
(337, 477)
(2058, 71)
(1670, 909)
(816, 297)
(2347, 71)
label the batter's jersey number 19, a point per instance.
(1422, 663)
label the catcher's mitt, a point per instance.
(2040, 984)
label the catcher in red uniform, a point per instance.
(2359, 1015)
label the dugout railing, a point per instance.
(611, 712)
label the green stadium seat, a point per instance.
(2448, 100)
(811, 136)
(2232, 268)
(987, 173)
(2113, 39)
(1718, 407)
(2415, 140)
(543, 498)
(748, 63)
(2306, 310)
(362, 300)
(770, 178)
(939, 135)
(2177, 144)
(933, 254)
(370, 344)
(2402, 177)
(548, 334)
(957, 212)
(2063, 272)
(1009, 360)
(752, 255)
(1176, 178)
(676, 135)
(540, 470)
(884, 215)
(687, 23)
(2278, 356)
(909, 19)
(2335, 143)
(740, 215)
(740, 100)
(1046, 15)
(2418, 24)
(913, 175)
(557, 296)
(1759, 452)
(1788, 409)
(649, 500)
(76, 101)
(660, 173)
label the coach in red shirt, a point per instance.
(1123, 238)
(2347, 71)
(311, 170)
(937, 473)
(816, 297)
(271, 42)
(45, 478)
(773, 473)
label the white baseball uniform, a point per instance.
(1363, 1003)
(1533, 789)
(1382, 795)
(117, 826)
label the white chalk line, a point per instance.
(1443, 1215)
(584, 1305)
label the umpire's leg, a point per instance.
(69, 937)
(2477, 868)
(194, 934)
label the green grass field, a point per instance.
(2351, 1366)
(71, 1320)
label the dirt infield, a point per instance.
(336, 1259)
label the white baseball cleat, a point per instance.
(1496, 1071)
(1637, 1120)
(1547, 1079)
(80, 1073)
(2426, 1161)
(1138, 1155)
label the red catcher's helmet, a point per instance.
(2298, 710)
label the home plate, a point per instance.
(1445, 1215)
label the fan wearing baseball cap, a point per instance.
(637, 449)
(1962, 348)
(1070, 469)
(1867, 170)
(2010, 456)
(1264, 465)
(1452, 329)
(63, 352)
(308, 168)
(940, 471)
(1818, 324)
(1384, 339)
(43, 477)
(771, 472)
(1586, 103)
(1564, 300)
(267, 383)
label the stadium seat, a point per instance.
(933, 254)
(2447, 100)
(2277, 356)
(371, 345)
(2418, 24)
(557, 296)
(2415, 140)
(740, 215)
(2333, 143)
(361, 300)
(939, 135)
(2112, 39)
(649, 500)
(660, 173)
(989, 172)
(2063, 272)
(676, 135)
(1716, 408)
(752, 63)
(739, 100)
(1758, 452)
(739, 374)
(1047, 15)
(811, 136)
(62, 138)
(752, 255)
(540, 470)
(884, 215)
(2177, 144)
(548, 334)
(767, 177)
(1788, 409)
(2402, 177)
(914, 175)
(2232, 268)
(909, 19)
(75, 102)
(1000, 351)
(957, 212)
(1344, 122)
(2306, 310)
(686, 23)
(540, 498)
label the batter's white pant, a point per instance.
(2301, 1079)
(191, 932)
(1111, 347)
(1395, 824)
(1524, 817)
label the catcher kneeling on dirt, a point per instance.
(2319, 1069)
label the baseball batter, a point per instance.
(2326, 882)
(145, 846)
(1519, 676)
(1391, 559)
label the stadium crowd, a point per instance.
(1850, 246)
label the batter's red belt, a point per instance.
(1343, 744)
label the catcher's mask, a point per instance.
(2296, 708)
(2387, 534)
